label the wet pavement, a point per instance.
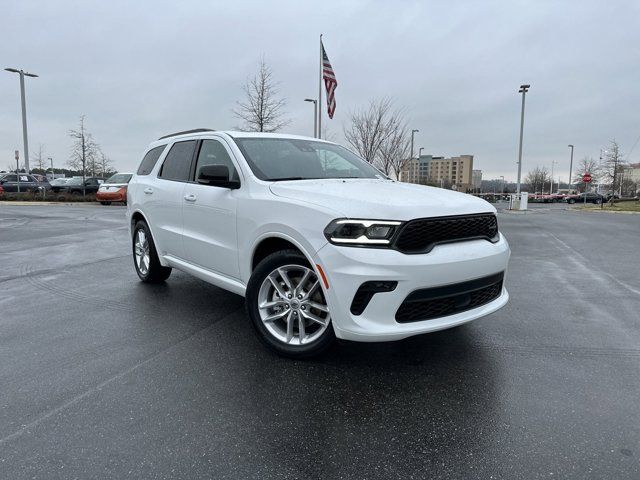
(104, 377)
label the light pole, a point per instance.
(523, 90)
(553, 162)
(570, 167)
(52, 172)
(420, 151)
(502, 185)
(315, 115)
(413, 132)
(22, 74)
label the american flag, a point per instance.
(330, 82)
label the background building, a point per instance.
(454, 172)
(476, 179)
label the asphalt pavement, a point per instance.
(102, 376)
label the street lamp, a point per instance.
(52, 173)
(413, 132)
(315, 115)
(523, 90)
(22, 74)
(570, 167)
(502, 185)
(553, 162)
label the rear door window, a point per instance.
(149, 160)
(177, 165)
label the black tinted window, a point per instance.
(212, 152)
(177, 165)
(10, 178)
(149, 160)
(293, 159)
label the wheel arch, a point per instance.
(274, 242)
(136, 216)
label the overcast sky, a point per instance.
(139, 70)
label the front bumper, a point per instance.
(347, 268)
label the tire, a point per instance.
(572, 200)
(105, 203)
(294, 311)
(76, 193)
(145, 256)
(598, 201)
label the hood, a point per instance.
(381, 199)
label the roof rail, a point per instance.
(195, 130)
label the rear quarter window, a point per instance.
(149, 160)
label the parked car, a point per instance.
(114, 189)
(591, 197)
(57, 182)
(11, 182)
(74, 186)
(43, 181)
(608, 195)
(320, 243)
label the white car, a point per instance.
(318, 241)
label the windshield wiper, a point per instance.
(291, 178)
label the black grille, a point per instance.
(421, 235)
(438, 302)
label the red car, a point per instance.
(114, 189)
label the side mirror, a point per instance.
(217, 176)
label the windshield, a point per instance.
(119, 178)
(293, 159)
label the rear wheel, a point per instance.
(145, 256)
(287, 306)
(105, 203)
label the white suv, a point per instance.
(319, 242)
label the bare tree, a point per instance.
(263, 108)
(394, 150)
(587, 164)
(39, 159)
(613, 167)
(105, 165)
(368, 128)
(537, 178)
(84, 152)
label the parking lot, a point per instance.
(102, 376)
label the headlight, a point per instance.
(348, 232)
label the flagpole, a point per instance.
(320, 93)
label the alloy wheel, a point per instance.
(292, 306)
(141, 249)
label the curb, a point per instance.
(64, 204)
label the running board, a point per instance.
(208, 276)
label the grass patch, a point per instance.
(616, 207)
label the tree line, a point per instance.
(609, 170)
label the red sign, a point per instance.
(586, 178)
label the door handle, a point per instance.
(190, 198)
(148, 190)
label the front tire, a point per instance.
(287, 306)
(145, 256)
(105, 203)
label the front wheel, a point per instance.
(105, 203)
(287, 306)
(145, 256)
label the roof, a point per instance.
(198, 132)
